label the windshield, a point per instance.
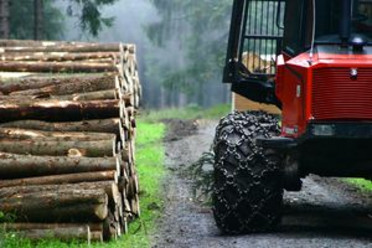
(328, 15)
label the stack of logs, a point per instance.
(67, 133)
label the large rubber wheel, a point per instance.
(248, 191)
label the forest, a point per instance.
(174, 63)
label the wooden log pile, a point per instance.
(67, 133)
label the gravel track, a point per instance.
(326, 213)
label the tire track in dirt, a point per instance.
(326, 213)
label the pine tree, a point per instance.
(4, 19)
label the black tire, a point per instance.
(248, 191)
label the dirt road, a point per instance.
(326, 213)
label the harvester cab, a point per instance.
(313, 60)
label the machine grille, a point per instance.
(337, 95)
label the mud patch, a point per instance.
(178, 129)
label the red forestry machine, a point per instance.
(319, 73)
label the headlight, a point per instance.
(324, 130)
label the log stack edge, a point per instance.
(67, 130)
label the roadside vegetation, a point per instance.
(188, 113)
(362, 184)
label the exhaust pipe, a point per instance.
(345, 22)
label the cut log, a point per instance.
(63, 234)
(135, 206)
(64, 205)
(110, 227)
(59, 92)
(58, 56)
(124, 224)
(126, 154)
(96, 95)
(59, 85)
(99, 148)
(26, 134)
(101, 126)
(57, 67)
(32, 43)
(27, 226)
(62, 179)
(54, 110)
(19, 166)
(71, 48)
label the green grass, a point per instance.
(150, 165)
(364, 185)
(188, 113)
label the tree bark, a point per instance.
(71, 47)
(27, 226)
(63, 205)
(4, 19)
(68, 89)
(71, 67)
(38, 20)
(103, 180)
(59, 85)
(62, 233)
(59, 56)
(54, 110)
(62, 179)
(37, 43)
(108, 185)
(110, 94)
(19, 166)
(60, 148)
(91, 96)
(101, 126)
(26, 134)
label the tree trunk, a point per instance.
(71, 47)
(54, 110)
(109, 186)
(62, 205)
(19, 166)
(99, 148)
(101, 126)
(68, 89)
(70, 67)
(26, 134)
(38, 19)
(4, 19)
(42, 226)
(77, 232)
(89, 96)
(59, 56)
(59, 85)
(96, 95)
(62, 179)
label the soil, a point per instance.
(178, 129)
(326, 213)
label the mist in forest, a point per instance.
(131, 19)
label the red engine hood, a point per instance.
(334, 56)
(323, 88)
